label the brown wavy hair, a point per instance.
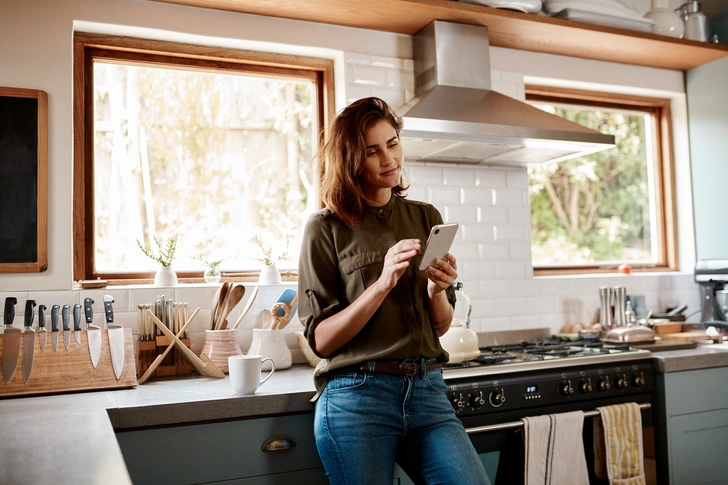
(342, 158)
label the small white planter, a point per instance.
(165, 277)
(269, 275)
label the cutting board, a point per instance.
(691, 336)
(659, 345)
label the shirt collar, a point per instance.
(384, 210)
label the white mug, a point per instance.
(244, 371)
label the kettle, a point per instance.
(460, 341)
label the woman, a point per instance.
(375, 318)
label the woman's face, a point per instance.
(383, 162)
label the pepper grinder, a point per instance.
(620, 305)
(605, 299)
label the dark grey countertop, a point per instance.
(70, 438)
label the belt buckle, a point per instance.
(409, 369)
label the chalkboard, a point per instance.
(23, 180)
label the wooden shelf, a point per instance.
(516, 30)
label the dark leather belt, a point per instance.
(406, 369)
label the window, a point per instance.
(594, 213)
(214, 146)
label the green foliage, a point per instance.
(596, 208)
(268, 257)
(165, 256)
(211, 265)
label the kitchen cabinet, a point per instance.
(692, 426)
(228, 452)
(507, 28)
(708, 123)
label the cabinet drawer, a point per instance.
(696, 391)
(699, 443)
(218, 451)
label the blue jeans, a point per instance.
(364, 420)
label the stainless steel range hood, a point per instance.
(456, 117)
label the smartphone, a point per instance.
(438, 243)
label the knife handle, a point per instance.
(88, 310)
(54, 317)
(109, 309)
(66, 313)
(77, 317)
(9, 314)
(41, 316)
(29, 313)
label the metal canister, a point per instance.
(605, 299)
(620, 305)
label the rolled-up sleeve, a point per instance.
(319, 278)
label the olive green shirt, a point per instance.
(338, 263)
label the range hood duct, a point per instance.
(456, 117)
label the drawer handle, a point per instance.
(278, 443)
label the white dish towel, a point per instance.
(555, 450)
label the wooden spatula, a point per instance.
(234, 295)
(217, 302)
(247, 307)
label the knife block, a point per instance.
(173, 365)
(70, 370)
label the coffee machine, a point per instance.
(712, 276)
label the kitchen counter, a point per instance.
(70, 438)
(702, 357)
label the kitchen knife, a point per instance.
(77, 323)
(42, 332)
(66, 315)
(92, 332)
(54, 327)
(28, 340)
(116, 337)
(11, 339)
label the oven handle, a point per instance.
(519, 424)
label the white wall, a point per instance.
(493, 250)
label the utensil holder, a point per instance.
(221, 344)
(172, 365)
(271, 343)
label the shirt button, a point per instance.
(381, 210)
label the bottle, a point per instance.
(629, 316)
(667, 21)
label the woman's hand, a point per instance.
(442, 278)
(397, 260)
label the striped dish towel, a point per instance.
(618, 452)
(555, 450)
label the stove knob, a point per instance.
(457, 401)
(497, 397)
(586, 386)
(621, 381)
(604, 384)
(478, 400)
(566, 388)
(638, 380)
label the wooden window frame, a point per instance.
(664, 185)
(89, 46)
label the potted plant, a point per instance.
(165, 275)
(270, 274)
(212, 273)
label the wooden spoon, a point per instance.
(217, 302)
(234, 295)
(246, 308)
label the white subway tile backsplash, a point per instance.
(494, 215)
(461, 214)
(520, 251)
(526, 323)
(459, 177)
(510, 269)
(476, 269)
(392, 96)
(390, 62)
(539, 305)
(356, 58)
(527, 287)
(507, 307)
(419, 192)
(445, 195)
(495, 289)
(479, 196)
(357, 91)
(508, 233)
(494, 251)
(465, 251)
(421, 174)
(476, 232)
(482, 307)
(519, 215)
(496, 324)
(510, 197)
(368, 75)
(490, 177)
(401, 79)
